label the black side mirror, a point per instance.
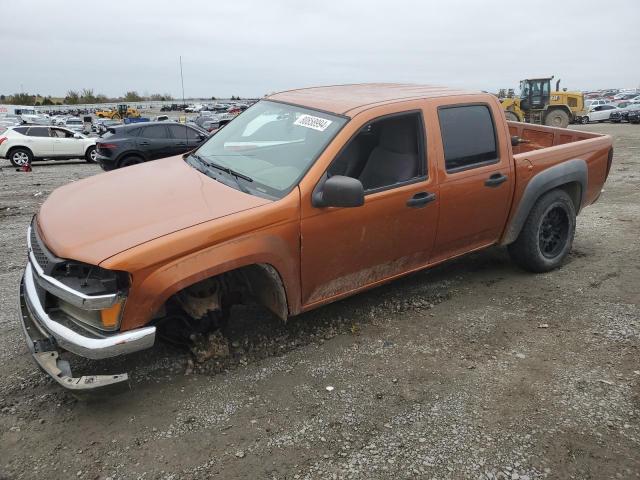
(339, 191)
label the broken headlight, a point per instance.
(91, 280)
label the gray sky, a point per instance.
(252, 47)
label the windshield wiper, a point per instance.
(235, 175)
(230, 171)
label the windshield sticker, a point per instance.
(316, 123)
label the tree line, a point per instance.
(86, 95)
(75, 97)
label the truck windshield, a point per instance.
(271, 145)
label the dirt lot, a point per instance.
(472, 370)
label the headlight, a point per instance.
(107, 319)
(92, 280)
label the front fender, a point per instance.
(150, 290)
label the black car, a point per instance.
(141, 142)
(634, 116)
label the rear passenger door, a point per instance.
(155, 142)
(39, 142)
(475, 178)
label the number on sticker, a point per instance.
(316, 123)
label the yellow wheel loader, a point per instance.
(538, 104)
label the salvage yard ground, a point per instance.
(472, 370)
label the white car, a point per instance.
(595, 102)
(23, 144)
(58, 120)
(600, 113)
(74, 123)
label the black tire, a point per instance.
(91, 156)
(557, 118)
(511, 117)
(129, 160)
(19, 157)
(584, 120)
(547, 234)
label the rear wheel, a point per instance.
(585, 120)
(128, 161)
(20, 157)
(547, 235)
(115, 117)
(557, 118)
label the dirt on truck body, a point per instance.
(305, 198)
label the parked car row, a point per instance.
(609, 112)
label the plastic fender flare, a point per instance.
(571, 171)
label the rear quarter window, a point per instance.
(468, 137)
(21, 130)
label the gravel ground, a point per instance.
(474, 369)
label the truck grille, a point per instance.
(43, 256)
(38, 251)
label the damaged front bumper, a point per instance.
(45, 337)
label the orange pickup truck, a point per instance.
(307, 197)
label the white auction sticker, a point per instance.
(309, 121)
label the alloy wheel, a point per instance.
(553, 232)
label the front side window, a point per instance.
(385, 153)
(184, 132)
(468, 137)
(271, 144)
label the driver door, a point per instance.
(346, 249)
(64, 143)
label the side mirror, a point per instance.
(339, 191)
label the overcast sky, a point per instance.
(253, 47)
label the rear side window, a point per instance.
(468, 137)
(155, 131)
(38, 132)
(134, 132)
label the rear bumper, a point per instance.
(45, 337)
(106, 163)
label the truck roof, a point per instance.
(341, 99)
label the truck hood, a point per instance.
(93, 219)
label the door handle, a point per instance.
(495, 180)
(144, 143)
(419, 200)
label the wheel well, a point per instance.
(128, 154)
(12, 149)
(564, 108)
(259, 282)
(574, 190)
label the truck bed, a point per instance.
(541, 136)
(551, 146)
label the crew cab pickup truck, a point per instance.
(305, 198)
